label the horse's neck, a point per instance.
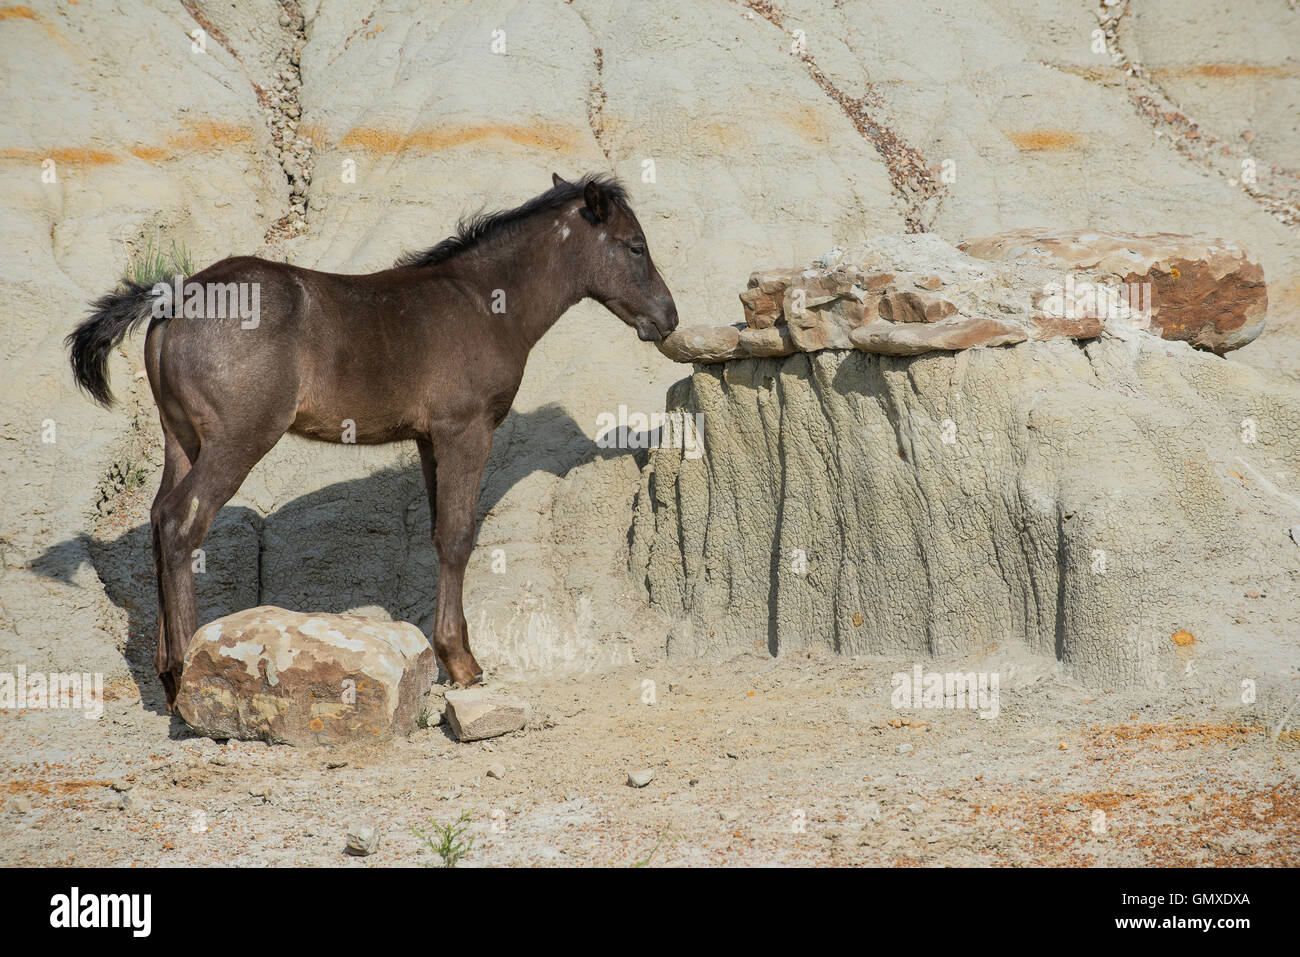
(530, 274)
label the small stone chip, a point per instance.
(474, 714)
(640, 778)
(362, 840)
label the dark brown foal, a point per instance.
(432, 350)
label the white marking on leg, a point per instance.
(189, 519)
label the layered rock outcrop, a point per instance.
(907, 295)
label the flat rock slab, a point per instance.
(305, 679)
(475, 714)
(1208, 292)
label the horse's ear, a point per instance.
(557, 180)
(597, 203)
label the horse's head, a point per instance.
(620, 275)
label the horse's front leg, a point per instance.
(461, 456)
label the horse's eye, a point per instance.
(636, 249)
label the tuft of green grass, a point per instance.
(645, 861)
(154, 264)
(445, 840)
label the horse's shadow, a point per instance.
(354, 544)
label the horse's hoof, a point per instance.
(474, 677)
(171, 687)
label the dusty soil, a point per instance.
(756, 761)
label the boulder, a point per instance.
(1208, 292)
(305, 679)
(702, 344)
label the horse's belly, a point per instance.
(356, 424)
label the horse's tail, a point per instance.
(113, 316)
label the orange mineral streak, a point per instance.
(209, 134)
(150, 154)
(427, 140)
(64, 155)
(1175, 736)
(1043, 140)
(808, 124)
(45, 786)
(26, 13)
(1227, 71)
(197, 136)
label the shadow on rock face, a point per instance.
(359, 544)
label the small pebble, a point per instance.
(362, 840)
(640, 778)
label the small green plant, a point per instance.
(445, 839)
(645, 861)
(154, 264)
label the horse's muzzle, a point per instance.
(657, 327)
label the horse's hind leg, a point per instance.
(176, 465)
(184, 518)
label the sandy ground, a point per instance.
(756, 761)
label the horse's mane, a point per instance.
(473, 231)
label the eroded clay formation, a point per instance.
(906, 295)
